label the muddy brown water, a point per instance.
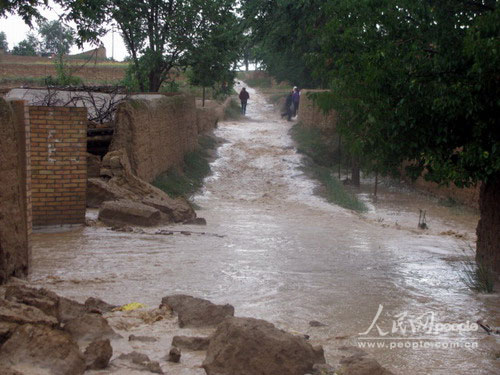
(278, 252)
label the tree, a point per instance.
(418, 82)
(3, 41)
(216, 55)
(159, 35)
(57, 38)
(27, 47)
(27, 9)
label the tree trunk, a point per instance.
(340, 155)
(203, 98)
(376, 185)
(355, 171)
(488, 228)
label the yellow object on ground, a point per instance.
(130, 307)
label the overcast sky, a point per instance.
(16, 30)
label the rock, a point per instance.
(142, 361)
(68, 310)
(191, 342)
(13, 312)
(315, 323)
(98, 354)
(361, 364)
(50, 303)
(99, 191)
(142, 338)
(196, 221)
(174, 355)
(93, 304)
(6, 330)
(89, 327)
(9, 371)
(129, 213)
(197, 312)
(247, 346)
(40, 298)
(323, 369)
(40, 349)
(176, 210)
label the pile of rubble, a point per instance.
(43, 333)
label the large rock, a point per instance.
(119, 183)
(50, 303)
(89, 327)
(129, 213)
(359, 364)
(141, 362)
(191, 342)
(98, 354)
(247, 346)
(197, 312)
(41, 349)
(93, 304)
(13, 312)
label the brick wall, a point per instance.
(59, 164)
(156, 134)
(310, 115)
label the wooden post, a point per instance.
(376, 185)
(203, 100)
(340, 156)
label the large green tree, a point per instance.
(27, 9)
(57, 38)
(159, 34)
(27, 47)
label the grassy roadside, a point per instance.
(320, 166)
(196, 167)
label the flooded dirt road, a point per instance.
(276, 251)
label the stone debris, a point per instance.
(125, 212)
(93, 304)
(89, 327)
(142, 338)
(174, 355)
(191, 342)
(315, 323)
(247, 346)
(142, 362)
(197, 312)
(98, 354)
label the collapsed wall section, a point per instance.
(15, 210)
(156, 134)
(58, 164)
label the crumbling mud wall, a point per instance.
(15, 213)
(58, 164)
(310, 115)
(156, 134)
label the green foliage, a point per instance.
(318, 148)
(3, 42)
(260, 82)
(27, 47)
(160, 35)
(27, 9)
(57, 38)
(232, 111)
(196, 168)
(64, 75)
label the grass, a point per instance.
(311, 143)
(233, 110)
(196, 167)
(475, 275)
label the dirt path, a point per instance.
(285, 255)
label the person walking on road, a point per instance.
(288, 107)
(244, 96)
(296, 100)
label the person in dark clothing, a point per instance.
(295, 100)
(244, 96)
(288, 107)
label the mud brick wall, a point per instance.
(58, 164)
(156, 134)
(15, 214)
(310, 115)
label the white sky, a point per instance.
(16, 30)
